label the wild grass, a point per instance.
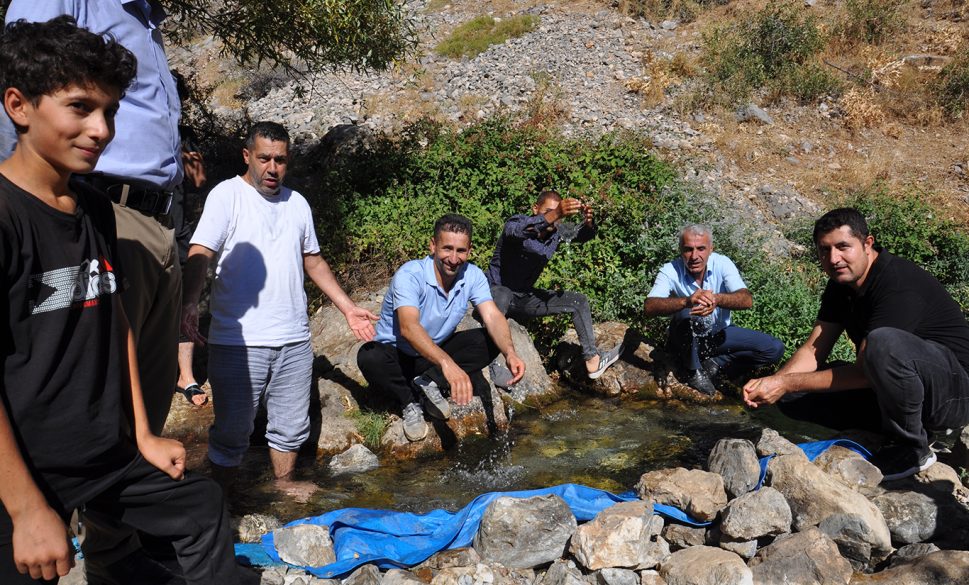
(475, 36)
(371, 426)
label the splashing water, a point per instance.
(702, 325)
(568, 230)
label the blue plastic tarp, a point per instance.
(402, 539)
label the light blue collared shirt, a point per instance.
(146, 145)
(415, 285)
(722, 276)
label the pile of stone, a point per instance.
(830, 521)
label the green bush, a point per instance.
(778, 44)
(952, 89)
(476, 35)
(783, 35)
(873, 21)
(808, 82)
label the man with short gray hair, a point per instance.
(699, 289)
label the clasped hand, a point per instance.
(702, 302)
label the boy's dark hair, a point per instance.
(40, 58)
(842, 216)
(454, 223)
(269, 130)
(546, 195)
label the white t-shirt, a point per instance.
(257, 295)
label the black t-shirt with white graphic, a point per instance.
(63, 368)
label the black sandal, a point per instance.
(191, 391)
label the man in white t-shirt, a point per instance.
(263, 237)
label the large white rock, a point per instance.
(699, 493)
(619, 536)
(705, 565)
(525, 532)
(815, 497)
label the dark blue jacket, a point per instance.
(520, 256)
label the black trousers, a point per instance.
(190, 513)
(390, 370)
(917, 386)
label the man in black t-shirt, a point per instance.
(912, 343)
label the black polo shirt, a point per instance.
(898, 293)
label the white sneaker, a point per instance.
(606, 359)
(436, 404)
(415, 428)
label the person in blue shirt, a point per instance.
(699, 289)
(416, 353)
(524, 248)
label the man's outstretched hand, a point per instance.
(361, 323)
(763, 391)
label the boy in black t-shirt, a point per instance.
(73, 428)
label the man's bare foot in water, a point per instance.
(284, 463)
(301, 491)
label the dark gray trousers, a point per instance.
(919, 385)
(189, 513)
(539, 303)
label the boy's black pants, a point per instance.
(190, 513)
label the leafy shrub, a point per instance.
(778, 43)
(872, 21)
(808, 82)
(476, 35)
(783, 35)
(952, 88)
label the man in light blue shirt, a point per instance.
(699, 289)
(416, 352)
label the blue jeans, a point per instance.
(241, 378)
(735, 349)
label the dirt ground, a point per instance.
(888, 131)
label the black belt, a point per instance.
(134, 194)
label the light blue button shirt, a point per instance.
(415, 285)
(722, 276)
(146, 145)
